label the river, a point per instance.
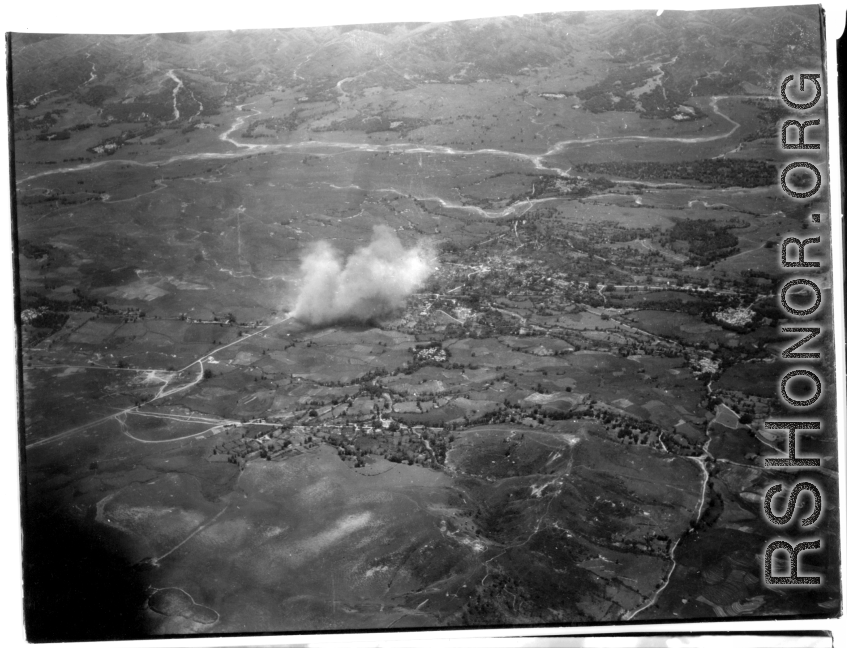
(536, 159)
(176, 92)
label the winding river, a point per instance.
(537, 160)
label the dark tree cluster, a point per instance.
(720, 172)
(707, 241)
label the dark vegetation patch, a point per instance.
(34, 250)
(615, 93)
(532, 584)
(376, 124)
(771, 114)
(156, 107)
(97, 94)
(666, 300)
(721, 172)
(41, 316)
(275, 124)
(754, 378)
(705, 241)
(44, 121)
(600, 97)
(739, 445)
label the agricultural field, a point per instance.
(403, 326)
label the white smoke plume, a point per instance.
(370, 284)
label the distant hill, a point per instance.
(717, 50)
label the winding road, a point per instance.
(162, 393)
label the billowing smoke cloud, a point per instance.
(368, 285)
